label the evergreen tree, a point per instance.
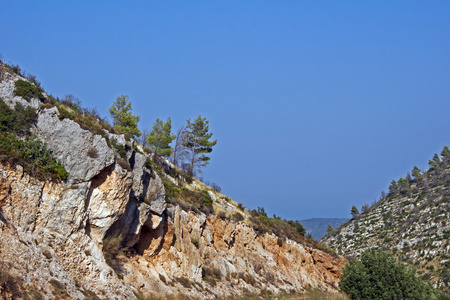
(434, 163)
(416, 173)
(330, 230)
(354, 212)
(393, 187)
(122, 117)
(378, 276)
(160, 137)
(198, 144)
(445, 151)
(364, 208)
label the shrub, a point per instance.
(184, 282)
(195, 242)
(33, 155)
(27, 90)
(211, 275)
(92, 152)
(237, 217)
(121, 150)
(380, 276)
(216, 187)
(18, 120)
(206, 199)
(123, 164)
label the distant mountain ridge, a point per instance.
(411, 222)
(317, 227)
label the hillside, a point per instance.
(317, 227)
(411, 222)
(88, 213)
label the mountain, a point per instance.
(411, 222)
(88, 213)
(317, 227)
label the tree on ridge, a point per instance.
(198, 144)
(123, 119)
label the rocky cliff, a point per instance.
(106, 231)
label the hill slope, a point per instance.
(91, 215)
(411, 222)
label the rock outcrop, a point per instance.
(55, 236)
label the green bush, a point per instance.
(27, 90)
(18, 120)
(30, 152)
(121, 150)
(380, 276)
(33, 155)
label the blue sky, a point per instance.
(316, 105)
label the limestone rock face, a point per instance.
(142, 189)
(43, 234)
(225, 258)
(83, 154)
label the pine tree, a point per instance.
(160, 137)
(416, 173)
(330, 230)
(198, 144)
(122, 117)
(354, 212)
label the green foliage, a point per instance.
(18, 120)
(380, 276)
(30, 152)
(160, 137)
(393, 186)
(27, 90)
(198, 143)
(122, 117)
(434, 163)
(354, 212)
(206, 199)
(416, 172)
(34, 156)
(121, 149)
(330, 230)
(298, 227)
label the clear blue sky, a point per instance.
(316, 105)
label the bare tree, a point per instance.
(143, 138)
(179, 150)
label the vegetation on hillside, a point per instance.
(123, 119)
(19, 147)
(411, 221)
(378, 276)
(198, 143)
(192, 144)
(160, 137)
